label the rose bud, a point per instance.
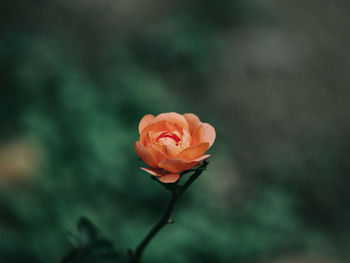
(171, 143)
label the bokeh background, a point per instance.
(271, 76)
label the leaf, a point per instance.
(89, 247)
(74, 239)
(87, 231)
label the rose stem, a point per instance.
(175, 194)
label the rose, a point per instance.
(171, 143)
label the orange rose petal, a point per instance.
(145, 155)
(193, 121)
(163, 126)
(197, 135)
(144, 136)
(152, 171)
(158, 155)
(172, 150)
(145, 121)
(203, 157)
(177, 165)
(172, 117)
(148, 138)
(209, 134)
(169, 178)
(204, 133)
(186, 139)
(160, 147)
(193, 152)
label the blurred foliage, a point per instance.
(89, 247)
(78, 97)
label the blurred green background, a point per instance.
(272, 78)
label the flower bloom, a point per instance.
(171, 143)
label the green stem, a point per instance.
(135, 256)
(161, 223)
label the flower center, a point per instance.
(171, 136)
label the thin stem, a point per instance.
(161, 223)
(175, 194)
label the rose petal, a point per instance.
(164, 178)
(193, 152)
(145, 155)
(152, 171)
(162, 126)
(193, 121)
(159, 147)
(172, 150)
(145, 121)
(177, 165)
(185, 140)
(203, 157)
(172, 117)
(145, 136)
(169, 178)
(204, 133)
(157, 154)
(209, 134)
(197, 135)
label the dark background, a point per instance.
(271, 76)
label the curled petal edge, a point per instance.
(204, 133)
(145, 122)
(193, 151)
(162, 175)
(172, 117)
(193, 121)
(178, 165)
(145, 155)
